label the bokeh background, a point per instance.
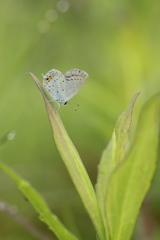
(118, 44)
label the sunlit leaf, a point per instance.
(131, 179)
(121, 131)
(113, 154)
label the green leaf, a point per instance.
(40, 206)
(131, 179)
(73, 163)
(113, 154)
(122, 129)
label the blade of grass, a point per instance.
(39, 205)
(131, 180)
(73, 163)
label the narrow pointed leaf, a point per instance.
(122, 129)
(113, 154)
(73, 163)
(40, 206)
(131, 179)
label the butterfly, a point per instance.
(64, 87)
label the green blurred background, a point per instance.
(118, 44)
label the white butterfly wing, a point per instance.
(55, 83)
(75, 79)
